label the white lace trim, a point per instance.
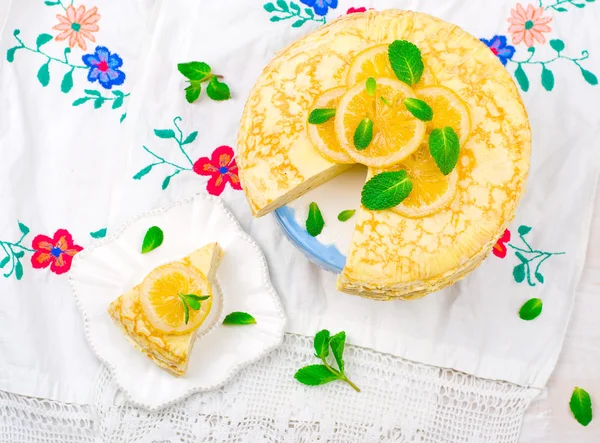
(400, 402)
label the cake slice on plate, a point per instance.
(161, 315)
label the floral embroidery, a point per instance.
(104, 67)
(558, 4)
(56, 252)
(528, 25)
(281, 10)
(500, 48)
(14, 252)
(355, 10)
(526, 255)
(321, 6)
(221, 168)
(77, 26)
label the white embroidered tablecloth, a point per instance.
(94, 128)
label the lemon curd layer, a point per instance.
(169, 350)
(398, 253)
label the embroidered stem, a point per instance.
(584, 55)
(163, 161)
(286, 12)
(13, 256)
(22, 45)
(99, 99)
(557, 4)
(179, 141)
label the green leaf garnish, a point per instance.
(386, 190)
(191, 301)
(371, 86)
(581, 406)
(320, 116)
(314, 221)
(419, 109)
(406, 61)
(198, 73)
(444, 147)
(192, 92)
(346, 215)
(217, 90)
(531, 309)
(363, 134)
(152, 240)
(186, 312)
(194, 304)
(384, 100)
(239, 318)
(320, 374)
(194, 70)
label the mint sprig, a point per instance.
(406, 61)
(153, 239)
(320, 115)
(444, 147)
(419, 109)
(319, 374)
(363, 135)
(191, 301)
(386, 190)
(198, 73)
(314, 221)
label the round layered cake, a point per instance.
(431, 112)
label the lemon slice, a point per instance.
(160, 297)
(396, 133)
(374, 62)
(432, 191)
(323, 136)
(448, 110)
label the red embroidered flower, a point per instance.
(55, 252)
(500, 246)
(221, 168)
(355, 10)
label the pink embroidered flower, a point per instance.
(528, 25)
(221, 168)
(78, 25)
(499, 249)
(355, 10)
(55, 252)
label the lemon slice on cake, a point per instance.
(374, 62)
(396, 133)
(448, 110)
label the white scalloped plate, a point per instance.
(107, 269)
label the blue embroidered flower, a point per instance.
(500, 48)
(104, 67)
(321, 6)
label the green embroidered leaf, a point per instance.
(315, 375)
(294, 7)
(4, 261)
(20, 254)
(10, 54)
(524, 230)
(581, 406)
(386, 190)
(531, 309)
(419, 109)
(444, 147)
(539, 277)
(239, 318)
(321, 115)
(519, 273)
(67, 82)
(49, 3)
(275, 19)
(337, 343)
(314, 221)
(190, 138)
(269, 7)
(217, 90)
(406, 61)
(98, 102)
(92, 92)
(19, 271)
(547, 79)
(371, 86)
(557, 44)
(578, 5)
(24, 229)
(321, 344)
(117, 93)
(142, 172)
(309, 12)
(100, 233)
(192, 92)
(194, 70)
(363, 135)
(346, 215)
(43, 74)
(166, 182)
(589, 77)
(122, 117)
(298, 23)
(560, 9)
(117, 103)
(164, 133)
(42, 39)
(521, 257)
(81, 101)
(283, 5)
(153, 239)
(522, 78)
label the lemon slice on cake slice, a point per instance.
(448, 110)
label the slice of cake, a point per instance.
(161, 315)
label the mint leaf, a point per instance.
(315, 375)
(194, 304)
(384, 100)
(192, 92)
(314, 221)
(217, 90)
(444, 147)
(419, 109)
(197, 297)
(337, 343)
(346, 215)
(186, 312)
(581, 406)
(153, 239)
(363, 134)
(194, 70)
(239, 318)
(42, 39)
(321, 344)
(371, 86)
(386, 190)
(320, 115)
(531, 309)
(406, 61)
